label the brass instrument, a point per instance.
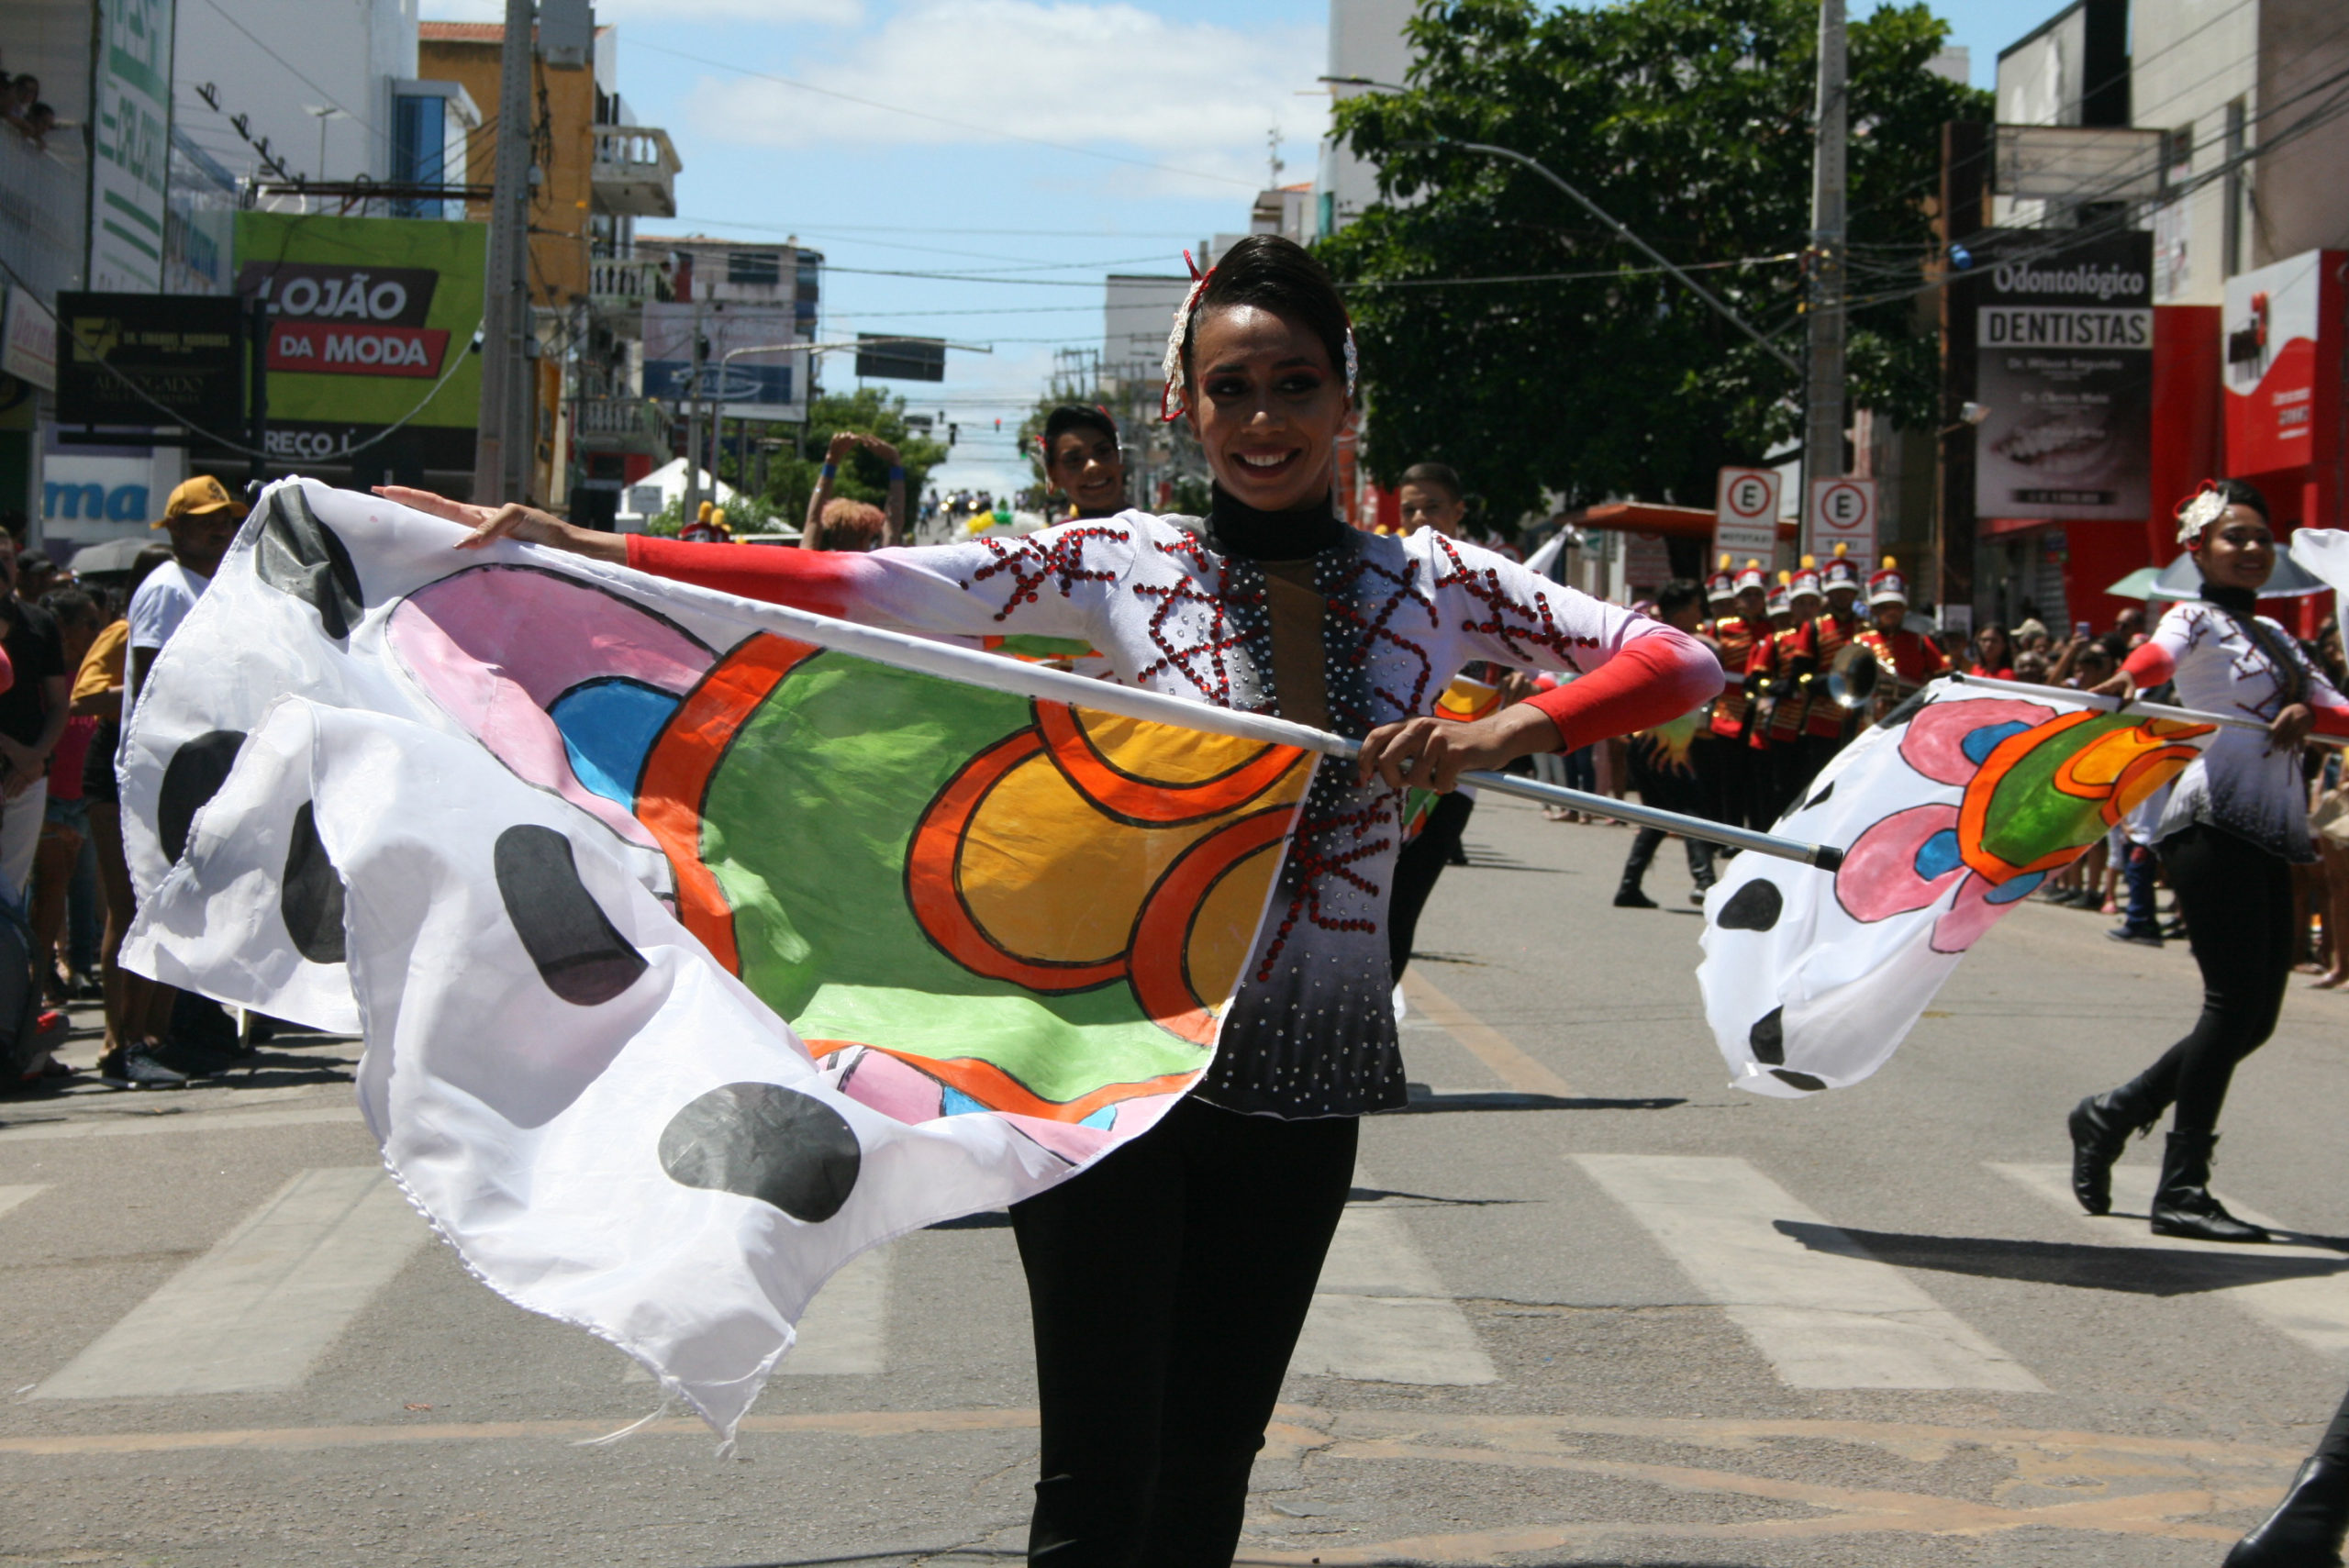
(1857, 680)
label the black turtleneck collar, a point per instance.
(2235, 601)
(1234, 528)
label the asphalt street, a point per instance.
(1589, 1306)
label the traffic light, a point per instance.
(952, 431)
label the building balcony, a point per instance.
(635, 171)
(619, 290)
(637, 425)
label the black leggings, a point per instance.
(1168, 1285)
(2237, 900)
(1416, 869)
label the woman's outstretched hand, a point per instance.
(526, 525)
(1431, 754)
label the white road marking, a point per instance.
(147, 1125)
(2315, 1310)
(845, 1330)
(256, 1312)
(1381, 1316)
(11, 1197)
(1824, 1318)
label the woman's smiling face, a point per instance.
(1267, 404)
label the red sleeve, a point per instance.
(815, 580)
(1651, 680)
(2329, 719)
(1764, 654)
(2150, 664)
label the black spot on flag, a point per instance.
(1767, 1037)
(192, 777)
(764, 1141)
(299, 555)
(1753, 908)
(309, 896)
(1803, 1081)
(579, 952)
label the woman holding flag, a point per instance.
(2236, 823)
(1169, 1283)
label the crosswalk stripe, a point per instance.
(256, 1312)
(1380, 1314)
(11, 1197)
(1825, 1319)
(845, 1330)
(2313, 1310)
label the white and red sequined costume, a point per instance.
(1312, 1029)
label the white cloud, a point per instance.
(1113, 75)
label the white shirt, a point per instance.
(162, 602)
(2238, 784)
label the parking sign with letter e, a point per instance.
(1842, 511)
(1745, 513)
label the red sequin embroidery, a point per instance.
(1035, 560)
(1532, 624)
(1319, 850)
(1197, 646)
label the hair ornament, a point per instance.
(1170, 402)
(2199, 510)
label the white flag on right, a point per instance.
(1950, 812)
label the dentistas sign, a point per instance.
(2064, 361)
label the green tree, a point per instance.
(790, 477)
(1689, 121)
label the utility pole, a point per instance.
(693, 423)
(502, 448)
(1822, 435)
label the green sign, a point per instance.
(127, 176)
(371, 321)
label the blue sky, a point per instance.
(1159, 116)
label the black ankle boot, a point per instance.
(2183, 1205)
(1628, 895)
(2100, 1127)
(2306, 1529)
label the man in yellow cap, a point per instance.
(201, 517)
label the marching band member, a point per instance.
(1788, 664)
(2236, 823)
(1826, 725)
(1909, 657)
(1732, 721)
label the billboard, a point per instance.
(132, 145)
(2064, 362)
(371, 320)
(185, 352)
(2283, 369)
(755, 386)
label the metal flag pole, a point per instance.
(1826, 857)
(995, 672)
(2115, 704)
